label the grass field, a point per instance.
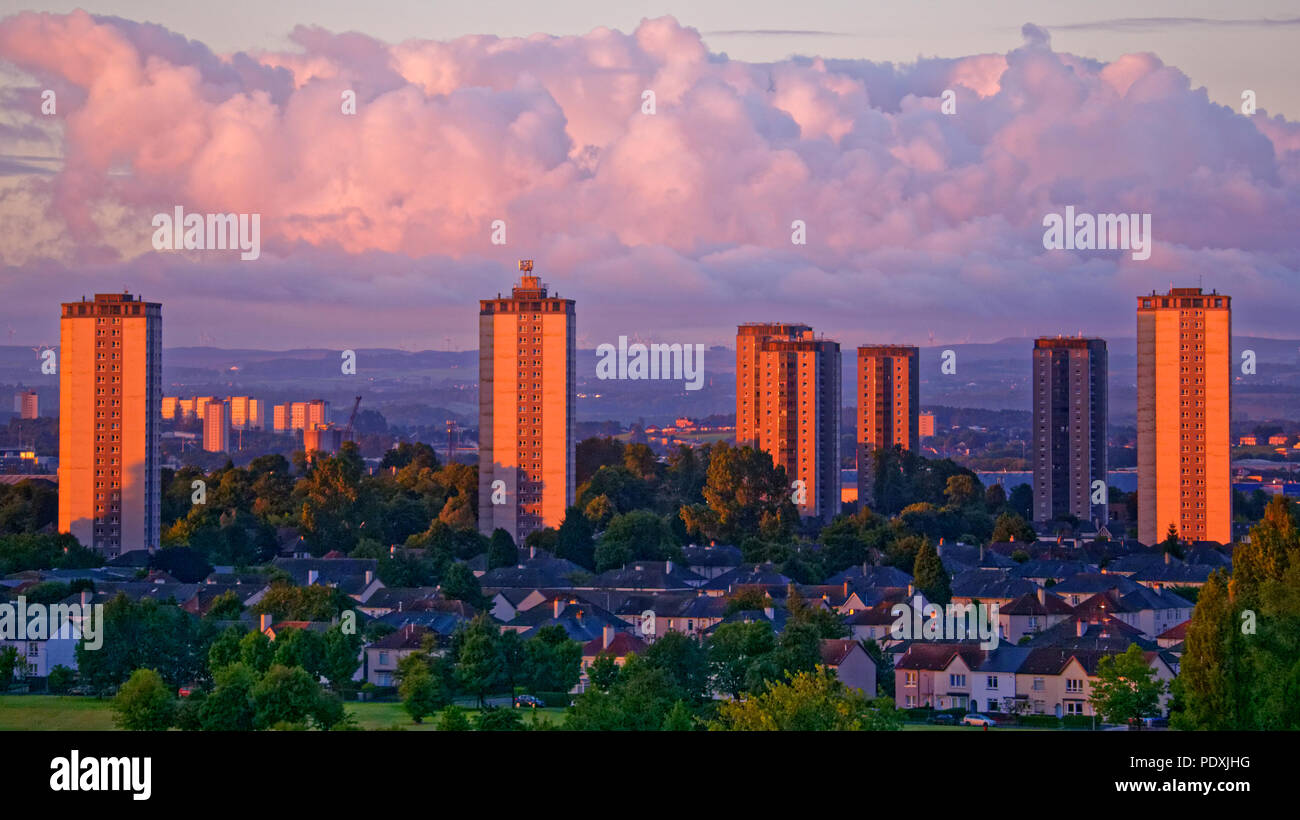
(371, 716)
(56, 713)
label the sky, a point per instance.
(922, 220)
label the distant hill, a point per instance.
(992, 376)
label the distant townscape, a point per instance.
(247, 562)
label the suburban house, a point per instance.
(851, 664)
(383, 655)
(1031, 613)
(938, 675)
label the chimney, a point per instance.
(864, 569)
(668, 567)
(264, 622)
(370, 576)
(846, 588)
(606, 636)
(1166, 559)
(312, 575)
(1042, 596)
(981, 553)
(532, 553)
(1080, 627)
(85, 597)
(559, 607)
(911, 590)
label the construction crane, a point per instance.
(347, 431)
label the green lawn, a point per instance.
(372, 715)
(54, 712)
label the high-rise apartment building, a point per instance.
(1070, 407)
(526, 423)
(889, 390)
(200, 405)
(246, 413)
(1184, 380)
(281, 417)
(788, 404)
(170, 407)
(256, 419)
(186, 409)
(28, 404)
(925, 425)
(216, 426)
(110, 397)
(325, 438)
(305, 415)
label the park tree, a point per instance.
(8, 665)
(341, 657)
(229, 708)
(553, 660)
(452, 719)
(284, 695)
(300, 647)
(684, 660)
(144, 703)
(256, 651)
(420, 693)
(479, 664)
(814, 701)
(603, 672)
(1126, 687)
(741, 656)
(145, 634)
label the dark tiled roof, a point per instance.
(749, 575)
(937, 656)
(410, 636)
(622, 644)
(1028, 604)
(712, 556)
(835, 650)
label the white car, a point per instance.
(974, 719)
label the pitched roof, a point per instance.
(835, 650)
(409, 636)
(620, 646)
(749, 575)
(933, 656)
(1177, 632)
(1028, 604)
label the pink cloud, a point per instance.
(548, 134)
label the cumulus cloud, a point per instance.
(666, 224)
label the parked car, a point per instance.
(531, 701)
(1156, 722)
(976, 719)
(943, 719)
